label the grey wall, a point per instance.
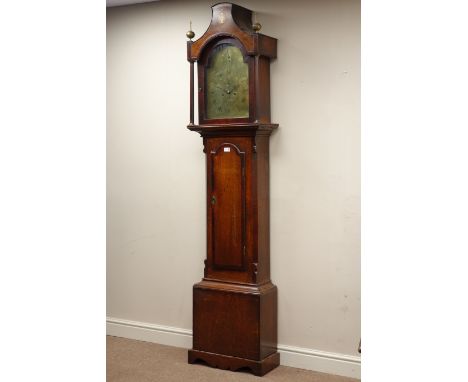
(156, 174)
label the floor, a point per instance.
(137, 361)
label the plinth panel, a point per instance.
(235, 322)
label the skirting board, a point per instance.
(302, 358)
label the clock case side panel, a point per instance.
(262, 89)
(262, 208)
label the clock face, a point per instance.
(227, 83)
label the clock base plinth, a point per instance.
(225, 362)
(235, 326)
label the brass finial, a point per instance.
(190, 34)
(256, 26)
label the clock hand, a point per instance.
(228, 91)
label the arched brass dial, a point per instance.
(227, 84)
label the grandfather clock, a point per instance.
(235, 305)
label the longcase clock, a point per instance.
(235, 305)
